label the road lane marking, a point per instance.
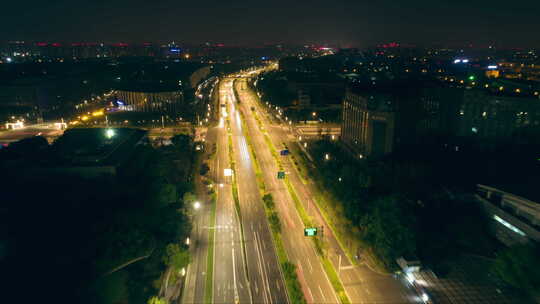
(234, 276)
(311, 294)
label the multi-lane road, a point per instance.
(246, 268)
(361, 284)
(317, 287)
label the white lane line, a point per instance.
(234, 277)
(310, 266)
(310, 294)
(259, 265)
(324, 298)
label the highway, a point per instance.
(230, 277)
(241, 274)
(266, 281)
(361, 284)
(300, 249)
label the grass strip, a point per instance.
(334, 279)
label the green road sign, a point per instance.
(281, 174)
(310, 231)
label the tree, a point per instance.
(518, 266)
(204, 169)
(388, 229)
(176, 257)
(157, 300)
(274, 222)
(189, 198)
(268, 201)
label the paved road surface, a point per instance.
(361, 284)
(265, 277)
(301, 251)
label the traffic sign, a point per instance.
(281, 175)
(310, 231)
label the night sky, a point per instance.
(249, 22)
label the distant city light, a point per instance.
(492, 67)
(196, 205)
(9, 60)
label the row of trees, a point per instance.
(98, 240)
(416, 204)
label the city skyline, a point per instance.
(343, 24)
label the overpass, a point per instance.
(517, 219)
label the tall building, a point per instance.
(376, 119)
(496, 116)
(368, 122)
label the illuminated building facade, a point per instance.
(168, 102)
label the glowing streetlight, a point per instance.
(109, 133)
(327, 156)
(187, 241)
(314, 114)
(196, 205)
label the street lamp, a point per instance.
(196, 205)
(109, 133)
(314, 114)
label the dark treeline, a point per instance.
(74, 240)
(418, 201)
